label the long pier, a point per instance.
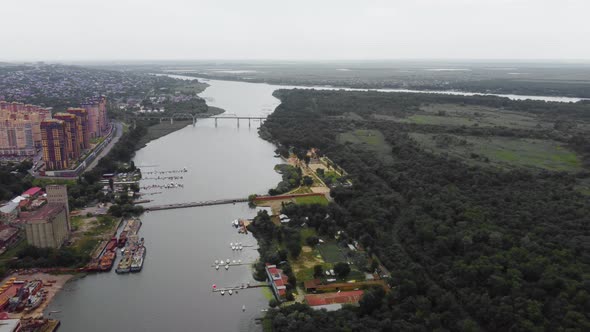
(225, 289)
(195, 204)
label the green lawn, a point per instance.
(312, 200)
(103, 224)
(307, 232)
(86, 245)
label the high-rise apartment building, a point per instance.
(16, 139)
(83, 131)
(97, 116)
(55, 145)
(20, 128)
(72, 127)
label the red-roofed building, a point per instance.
(333, 301)
(278, 281)
(33, 192)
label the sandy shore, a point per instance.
(51, 288)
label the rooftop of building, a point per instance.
(42, 214)
(63, 115)
(7, 232)
(33, 191)
(334, 298)
(278, 278)
(9, 207)
(51, 121)
(318, 285)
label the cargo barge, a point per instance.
(124, 265)
(107, 261)
(122, 239)
(138, 258)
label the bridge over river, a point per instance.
(225, 201)
(194, 204)
(195, 117)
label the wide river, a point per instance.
(173, 291)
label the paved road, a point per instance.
(107, 149)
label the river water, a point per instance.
(173, 291)
(559, 99)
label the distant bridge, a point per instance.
(195, 117)
(194, 204)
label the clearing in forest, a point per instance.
(502, 152)
(369, 139)
(471, 115)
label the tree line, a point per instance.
(469, 248)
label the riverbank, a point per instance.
(165, 127)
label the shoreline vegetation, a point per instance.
(477, 234)
(483, 88)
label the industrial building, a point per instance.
(46, 227)
(58, 194)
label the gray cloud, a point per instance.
(303, 29)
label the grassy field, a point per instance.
(312, 200)
(303, 265)
(504, 152)
(76, 222)
(300, 190)
(307, 232)
(471, 115)
(331, 253)
(371, 140)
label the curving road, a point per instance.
(118, 133)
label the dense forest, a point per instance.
(469, 248)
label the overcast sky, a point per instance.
(294, 29)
